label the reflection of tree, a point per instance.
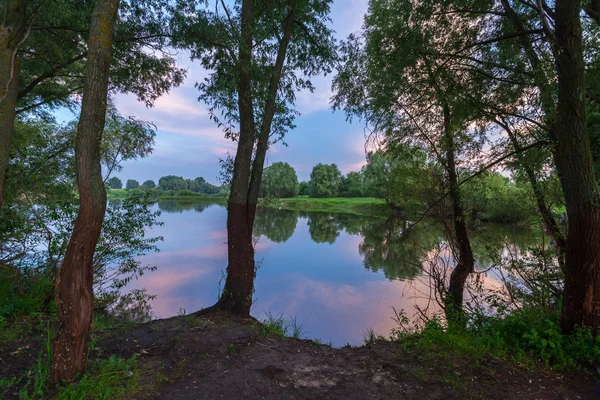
(178, 206)
(386, 246)
(277, 225)
(491, 240)
(323, 227)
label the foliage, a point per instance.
(212, 37)
(132, 184)
(397, 176)
(303, 189)
(172, 182)
(280, 181)
(525, 336)
(495, 198)
(177, 183)
(124, 139)
(53, 56)
(149, 184)
(352, 185)
(325, 180)
(115, 183)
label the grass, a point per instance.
(356, 205)
(112, 378)
(278, 325)
(369, 206)
(527, 337)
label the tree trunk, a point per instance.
(12, 32)
(265, 131)
(239, 285)
(465, 264)
(581, 299)
(246, 181)
(75, 276)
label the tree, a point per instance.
(172, 182)
(303, 189)
(352, 185)
(404, 76)
(43, 50)
(13, 32)
(115, 183)
(538, 52)
(132, 184)
(325, 180)
(149, 184)
(254, 57)
(396, 175)
(573, 157)
(206, 187)
(280, 180)
(75, 276)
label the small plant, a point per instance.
(274, 325)
(369, 336)
(296, 327)
(280, 326)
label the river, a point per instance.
(339, 275)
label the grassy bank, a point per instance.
(119, 194)
(359, 206)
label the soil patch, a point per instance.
(221, 356)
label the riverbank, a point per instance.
(357, 205)
(222, 356)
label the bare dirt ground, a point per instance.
(224, 357)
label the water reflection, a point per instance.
(277, 225)
(339, 274)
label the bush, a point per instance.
(186, 193)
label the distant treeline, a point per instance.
(170, 183)
(409, 183)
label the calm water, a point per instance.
(338, 274)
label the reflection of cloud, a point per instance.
(334, 307)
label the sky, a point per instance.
(189, 144)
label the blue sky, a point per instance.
(189, 144)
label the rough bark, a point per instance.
(12, 33)
(239, 285)
(581, 299)
(465, 264)
(75, 276)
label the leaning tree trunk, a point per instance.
(12, 33)
(581, 299)
(75, 276)
(239, 285)
(465, 264)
